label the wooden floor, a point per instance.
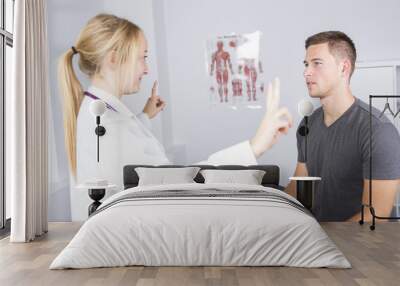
(374, 255)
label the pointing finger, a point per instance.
(154, 89)
(269, 96)
(275, 93)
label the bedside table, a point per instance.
(305, 187)
(96, 193)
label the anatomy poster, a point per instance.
(234, 70)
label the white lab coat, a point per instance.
(128, 140)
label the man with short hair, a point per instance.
(338, 138)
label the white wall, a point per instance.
(373, 25)
(177, 30)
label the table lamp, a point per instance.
(305, 109)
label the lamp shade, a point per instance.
(305, 108)
(97, 108)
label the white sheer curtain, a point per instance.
(27, 123)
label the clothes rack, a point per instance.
(370, 205)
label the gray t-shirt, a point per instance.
(339, 154)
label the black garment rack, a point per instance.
(369, 205)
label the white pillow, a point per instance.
(162, 176)
(248, 177)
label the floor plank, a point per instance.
(374, 255)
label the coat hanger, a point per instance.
(387, 107)
(398, 109)
(397, 113)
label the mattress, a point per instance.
(201, 225)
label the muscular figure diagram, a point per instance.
(250, 73)
(221, 60)
(237, 84)
(237, 87)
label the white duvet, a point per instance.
(200, 231)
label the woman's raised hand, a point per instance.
(154, 104)
(276, 121)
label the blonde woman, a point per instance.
(112, 51)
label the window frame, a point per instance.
(6, 39)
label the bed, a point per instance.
(201, 224)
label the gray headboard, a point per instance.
(270, 179)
